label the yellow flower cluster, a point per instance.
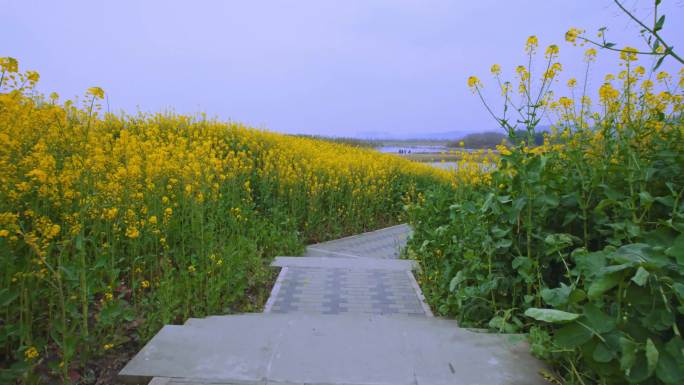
(94, 205)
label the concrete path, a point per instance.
(348, 312)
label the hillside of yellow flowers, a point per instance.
(114, 225)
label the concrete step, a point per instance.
(380, 244)
(345, 263)
(339, 349)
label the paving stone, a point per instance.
(336, 290)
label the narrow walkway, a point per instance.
(347, 312)
(358, 274)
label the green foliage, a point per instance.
(589, 260)
(480, 140)
(578, 242)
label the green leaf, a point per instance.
(659, 62)
(550, 315)
(558, 296)
(671, 362)
(603, 353)
(557, 242)
(499, 323)
(640, 253)
(603, 283)
(645, 198)
(659, 23)
(572, 336)
(576, 296)
(503, 243)
(639, 371)
(589, 264)
(641, 276)
(549, 200)
(677, 249)
(668, 370)
(497, 232)
(629, 350)
(458, 278)
(679, 289)
(7, 297)
(651, 356)
(598, 320)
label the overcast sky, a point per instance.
(341, 68)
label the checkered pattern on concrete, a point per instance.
(338, 290)
(341, 276)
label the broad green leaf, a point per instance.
(669, 370)
(659, 24)
(677, 250)
(603, 353)
(589, 264)
(549, 200)
(598, 320)
(671, 362)
(629, 350)
(639, 371)
(603, 284)
(572, 335)
(641, 276)
(639, 253)
(651, 356)
(550, 315)
(558, 296)
(666, 201)
(576, 296)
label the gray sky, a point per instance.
(340, 68)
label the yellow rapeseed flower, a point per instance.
(531, 44)
(590, 55)
(31, 353)
(96, 92)
(551, 50)
(9, 64)
(628, 54)
(572, 34)
(474, 82)
(132, 232)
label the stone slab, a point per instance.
(380, 244)
(345, 263)
(339, 349)
(344, 290)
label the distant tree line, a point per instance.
(491, 139)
